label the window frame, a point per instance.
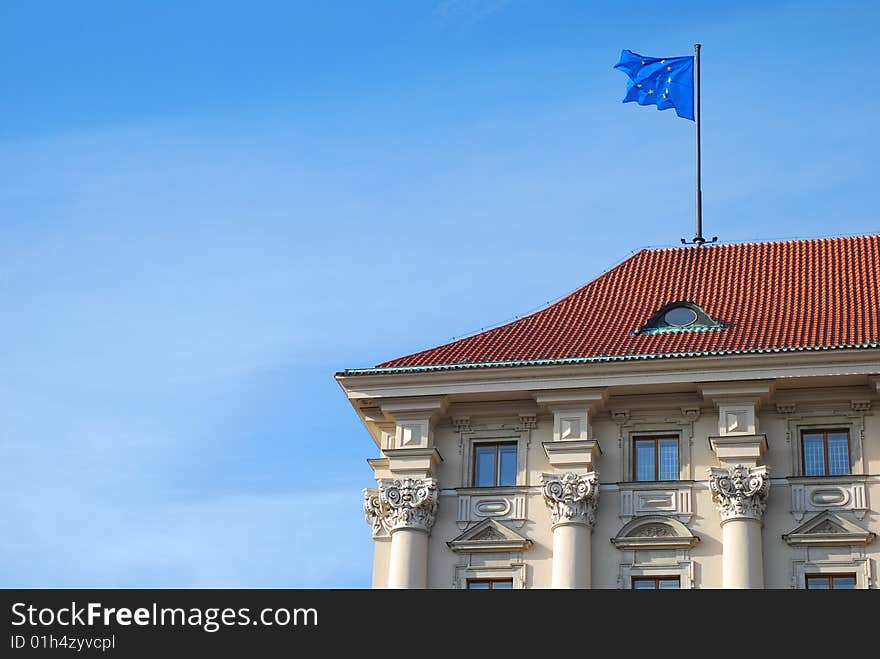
(831, 576)
(635, 439)
(491, 581)
(813, 418)
(655, 579)
(497, 463)
(825, 432)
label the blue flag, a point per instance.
(666, 83)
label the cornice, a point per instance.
(727, 368)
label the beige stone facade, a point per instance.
(740, 514)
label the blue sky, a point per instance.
(208, 208)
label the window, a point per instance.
(680, 317)
(830, 581)
(490, 584)
(655, 458)
(656, 583)
(494, 464)
(825, 452)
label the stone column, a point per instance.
(740, 493)
(572, 499)
(406, 508)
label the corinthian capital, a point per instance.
(739, 492)
(572, 498)
(406, 503)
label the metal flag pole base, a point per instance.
(699, 240)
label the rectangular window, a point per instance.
(655, 458)
(831, 581)
(825, 452)
(494, 464)
(490, 584)
(656, 583)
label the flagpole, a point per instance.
(698, 238)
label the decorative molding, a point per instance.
(691, 413)
(572, 498)
(656, 532)
(572, 454)
(480, 503)
(821, 493)
(527, 421)
(588, 398)
(407, 503)
(671, 498)
(373, 511)
(860, 405)
(620, 417)
(489, 536)
(412, 462)
(828, 529)
(736, 419)
(739, 492)
(738, 449)
(754, 390)
(637, 372)
(786, 408)
(461, 423)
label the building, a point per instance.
(698, 417)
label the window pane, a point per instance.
(478, 585)
(838, 453)
(485, 466)
(844, 583)
(502, 585)
(814, 455)
(669, 584)
(645, 460)
(818, 583)
(644, 584)
(668, 459)
(507, 468)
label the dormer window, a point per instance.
(680, 316)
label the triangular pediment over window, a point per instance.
(489, 535)
(827, 528)
(655, 532)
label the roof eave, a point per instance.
(427, 368)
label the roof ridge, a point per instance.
(776, 241)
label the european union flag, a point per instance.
(666, 83)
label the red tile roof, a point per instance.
(774, 296)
